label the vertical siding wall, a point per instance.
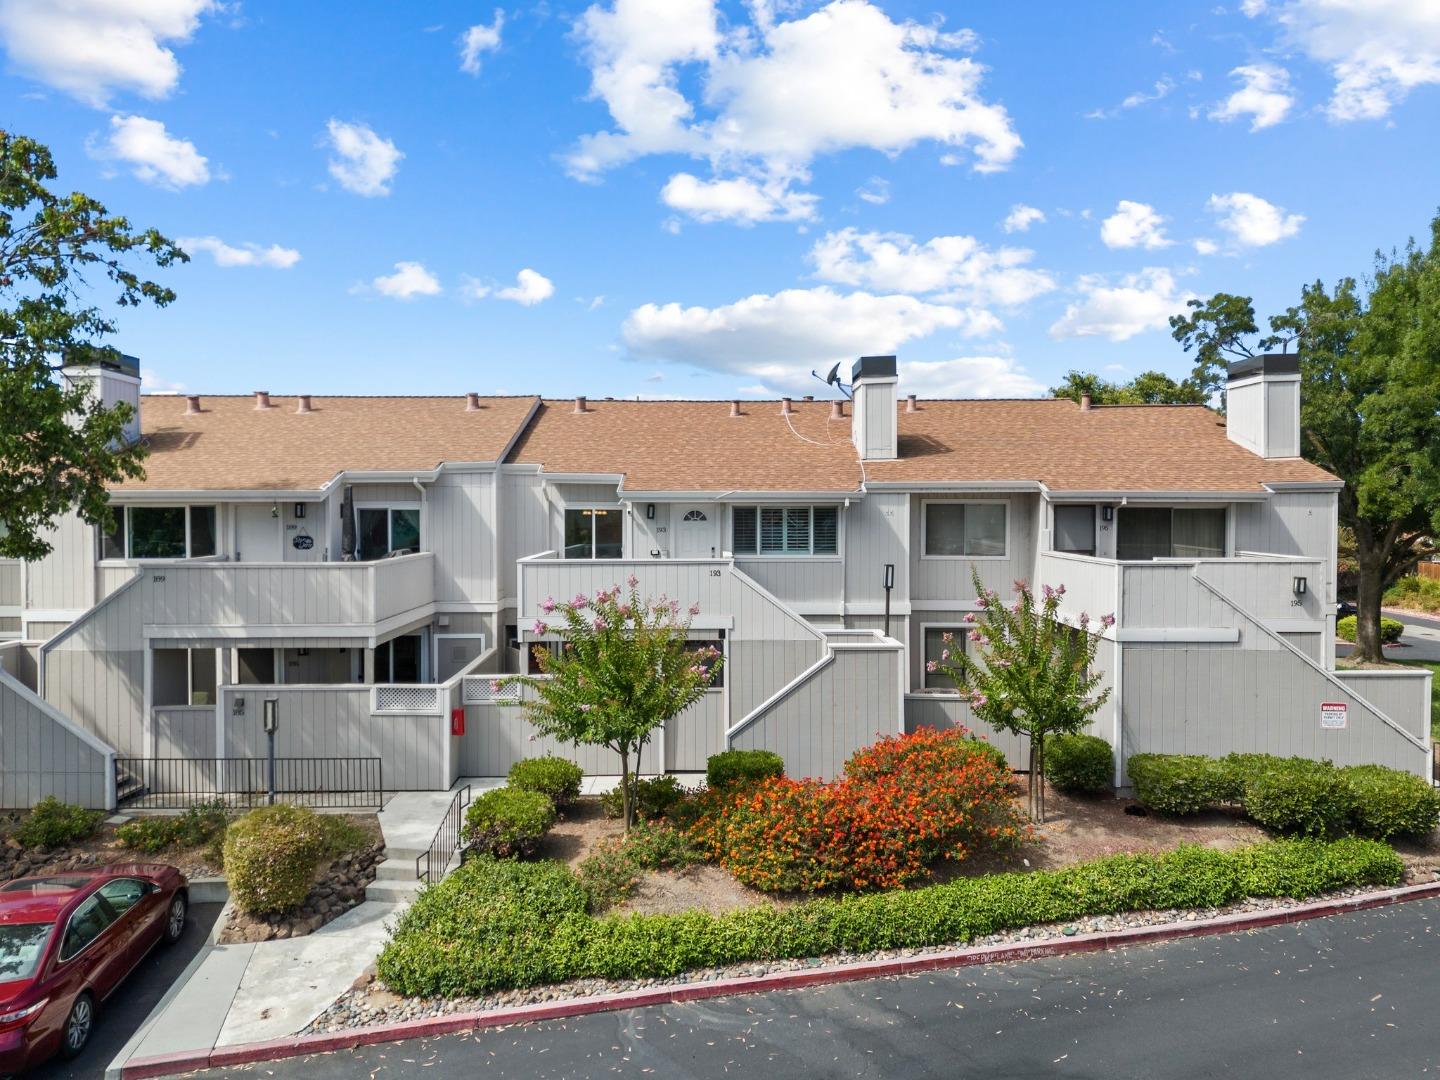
(946, 712)
(807, 584)
(877, 530)
(525, 527)
(42, 754)
(845, 705)
(10, 583)
(65, 579)
(461, 524)
(949, 579)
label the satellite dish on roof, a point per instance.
(833, 379)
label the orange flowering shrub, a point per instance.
(904, 803)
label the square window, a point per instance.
(936, 648)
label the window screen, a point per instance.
(1161, 532)
(827, 530)
(1075, 529)
(935, 648)
(958, 530)
(202, 531)
(743, 519)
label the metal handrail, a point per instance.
(179, 783)
(445, 841)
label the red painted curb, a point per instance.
(301, 1045)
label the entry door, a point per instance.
(697, 531)
(257, 534)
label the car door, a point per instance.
(136, 905)
(89, 954)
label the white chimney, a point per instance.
(874, 429)
(112, 381)
(1262, 405)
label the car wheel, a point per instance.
(175, 919)
(77, 1026)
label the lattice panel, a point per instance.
(407, 699)
(480, 690)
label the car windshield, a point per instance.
(20, 947)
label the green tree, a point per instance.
(1217, 330)
(624, 667)
(1147, 388)
(60, 447)
(1030, 673)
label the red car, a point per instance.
(67, 941)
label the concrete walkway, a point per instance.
(272, 989)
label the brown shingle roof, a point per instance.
(696, 445)
(1109, 448)
(230, 445)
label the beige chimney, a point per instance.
(192, 405)
(302, 404)
(1084, 402)
(262, 399)
(734, 408)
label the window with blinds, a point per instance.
(785, 530)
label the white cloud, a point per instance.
(1139, 302)
(155, 383)
(875, 191)
(1205, 246)
(1264, 96)
(1134, 224)
(778, 338)
(967, 377)
(1021, 217)
(741, 200)
(1377, 50)
(1161, 89)
(92, 48)
(364, 162)
(1252, 8)
(1251, 221)
(480, 39)
(959, 268)
(153, 154)
(409, 280)
(765, 98)
(280, 258)
(530, 288)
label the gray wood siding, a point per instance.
(877, 531)
(41, 754)
(1167, 595)
(949, 579)
(330, 722)
(843, 706)
(497, 736)
(756, 670)
(695, 734)
(10, 583)
(525, 527)
(65, 579)
(803, 582)
(184, 731)
(461, 521)
(1404, 696)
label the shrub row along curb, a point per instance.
(301, 1045)
(497, 925)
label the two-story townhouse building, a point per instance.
(369, 564)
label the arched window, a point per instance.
(695, 515)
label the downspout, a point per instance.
(424, 511)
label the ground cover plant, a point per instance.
(1415, 594)
(904, 803)
(52, 823)
(500, 924)
(507, 821)
(197, 826)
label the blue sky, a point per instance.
(708, 199)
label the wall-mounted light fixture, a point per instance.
(1299, 585)
(1107, 513)
(275, 510)
(299, 510)
(649, 511)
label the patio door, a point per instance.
(697, 531)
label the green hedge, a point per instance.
(270, 858)
(52, 823)
(493, 925)
(654, 798)
(1290, 795)
(554, 777)
(508, 821)
(742, 767)
(1080, 764)
(1390, 629)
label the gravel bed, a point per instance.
(369, 1003)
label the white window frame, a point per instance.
(924, 524)
(438, 636)
(616, 508)
(123, 514)
(385, 504)
(960, 630)
(837, 555)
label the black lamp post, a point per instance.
(889, 584)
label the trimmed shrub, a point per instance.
(1181, 783)
(494, 926)
(905, 802)
(742, 767)
(271, 855)
(196, 826)
(52, 823)
(554, 777)
(1297, 795)
(654, 798)
(1390, 803)
(1080, 764)
(508, 822)
(1390, 629)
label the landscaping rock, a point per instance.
(339, 888)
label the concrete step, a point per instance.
(396, 870)
(392, 892)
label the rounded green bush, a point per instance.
(508, 822)
(1297, 795)
(1391, 803)
(52, 823)
(554, 777)
(742, 767)
(270, 857)
(1390, 629)
(1080, 764)
(1179, 783)
(654, 798)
